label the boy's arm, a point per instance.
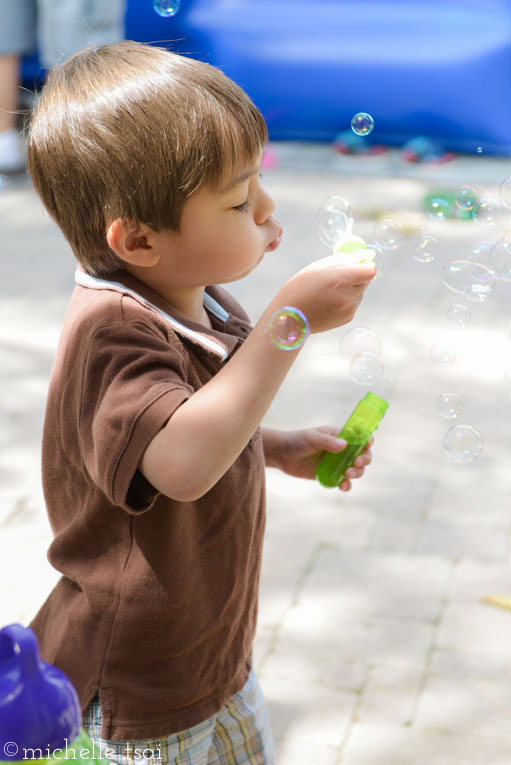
(208, 432)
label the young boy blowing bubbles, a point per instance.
(153, 459)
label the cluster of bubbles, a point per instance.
(288, 328)
(166, 8)
(360, 348)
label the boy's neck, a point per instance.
(188, 301)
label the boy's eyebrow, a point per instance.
(239, 178)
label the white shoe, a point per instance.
(12, 156)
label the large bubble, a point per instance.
(473, 280)
(288, 328)
(334, 218)
(463, 443)
(388, 233)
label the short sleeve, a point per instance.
(133, 380)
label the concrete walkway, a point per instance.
(374, 645)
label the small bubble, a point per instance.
(366, 368)
(359, 340)
(388, 233)
(486, 211)
(437, 208)
(449, 405)
(479, 149)
(425, 249)
(288, 328)
(463, 443)
(458, 314)
(334, 218)
(443, 354)
(466, 197)
(166, 8)
(362, 123)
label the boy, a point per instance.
(153, 459)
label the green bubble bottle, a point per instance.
(357, 431)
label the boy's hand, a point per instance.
(299, 452)
(327, 292)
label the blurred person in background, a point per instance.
(57, 28)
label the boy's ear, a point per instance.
(132, 243)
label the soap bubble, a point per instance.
(500, 257)
(466, 197)
(479, 149)
(486, 211)
(425, 249)
(505, 192)
(463, 443)
(359, 340)
(480, 252)
(472, 280)
(449, 405)
(438, 208)
(366, 368)
(334, 218)
(288, 328)
(166, 8)
(362, 123)
(458, 314)
(388, 233)
(443, 354)
(378, 259)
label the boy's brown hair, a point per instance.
(130, 131)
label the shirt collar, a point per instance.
(218, 343)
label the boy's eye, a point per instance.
(243, 207)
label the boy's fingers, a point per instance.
(363, 460)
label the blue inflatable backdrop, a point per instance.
(440, 68)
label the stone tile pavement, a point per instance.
(374, 645)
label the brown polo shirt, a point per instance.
(156, 607)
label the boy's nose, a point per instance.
(265, 207)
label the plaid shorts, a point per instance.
(239, 734)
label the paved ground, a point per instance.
(374, 645)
